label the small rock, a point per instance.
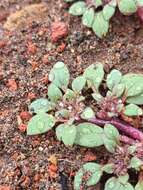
(22, 127)
(25, 115)
(2, 43)
(12, 85)
(40, 149)
(31, 48)
(58, 31)
(61, 48)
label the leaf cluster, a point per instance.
(99, 20)
(66, 111)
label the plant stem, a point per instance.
(120, 125)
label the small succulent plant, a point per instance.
(81, 115)
(96, 14)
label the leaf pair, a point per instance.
(88, 135)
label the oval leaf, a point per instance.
(40, 123)
(133, 110)
(111, 132)
(94, 75)
(54, 93)
(133, 84)
(97, 97)
(135, 99)
(78, 8)
(108, 168)
(100, 25)
(127, 8)
(59, 75)
(41, 105)
(69, 95)
(66, 133)
(118, 90)
(113, 78)
(109, 144)
(89, 135)
(88, 17)
(135, 163)
(78, 83)
(88, 113)
(108, 11)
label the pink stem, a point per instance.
(120, 125)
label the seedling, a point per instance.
(96, 14)
(81, 115)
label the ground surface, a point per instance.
(24, 76)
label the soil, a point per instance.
(27, 55)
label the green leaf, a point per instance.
(109, 144)
(127, 8)
(94, 171)
(133, 84)
(133, 110)
(40, 123)
(88, 17)
(135, 99)
(118, 90)
(108, 168)
(114, 184)
(78, 8)
(139, 185)
(63, 113)
(108, 11)
(111, 132)
(139, 3)
(97, 3)
(132, 149)
(113, 78)
(128, 186)
(113, 3)
(89, 135)
(78, 83)
(80, 99)
(110, 138)
(97, 97)
(135, 163)
(123, 179)
(87, 113)
(41, 105)
(54, 93)
(69, 95)
(59, 75)
(66, 133)
(94, 75)
(100, 25)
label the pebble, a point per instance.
(40, 149)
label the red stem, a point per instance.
(120, 125)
